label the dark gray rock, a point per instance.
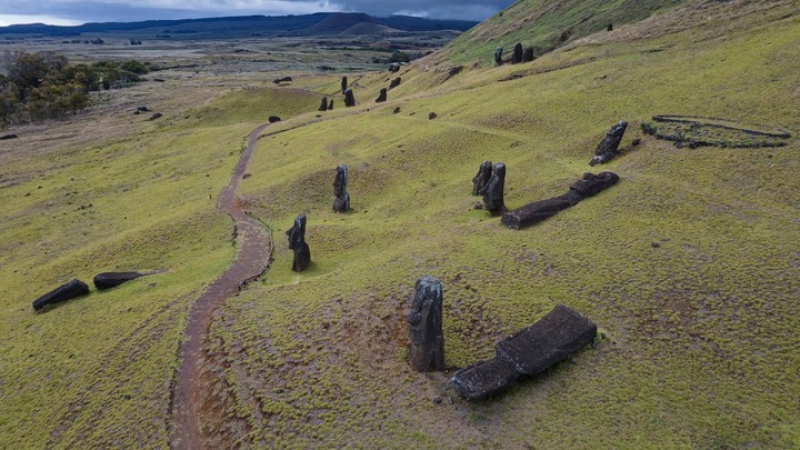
(426, 352)
(108, 280)
(342, 201)
(554, 337)
(297, 243)
(609, 146)
(323, 105)
(484, 379)
(394, 83)
(493, 192)
(67, 291)
(349, 98)
(481, 179)
(381, 96)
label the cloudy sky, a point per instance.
(75, 12)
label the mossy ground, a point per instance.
(688, 265)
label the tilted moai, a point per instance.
(516, 57)
(323, 106)
(426, 353)
(609, 146)
(344, 84)
(349, 98)
(482, 178)
(381, 96)
(297, 243)
(493, 191)
(498, 56)
(342, 202)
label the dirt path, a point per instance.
(192, 389)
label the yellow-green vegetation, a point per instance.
(688, 265)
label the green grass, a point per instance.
(701, 330)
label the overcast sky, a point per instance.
(75, 12)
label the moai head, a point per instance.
(297, 234)
(482, 178)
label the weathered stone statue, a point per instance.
(609, 146)
(528, 56)
(323, 106)
(482, 178)
(67, 291)
(426, 352)
(297, 242)
(344, 84)
(342, 202)
(493, 191)
(349, 98)
(381, 96)
(516, 57)
(394, 83)
(498, 56)
(394, 67)
(330, 105)
(108, 280)
(610, 27)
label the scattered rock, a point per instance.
(655, 245)
(609, 146)
(381, 96)
(426, 353)
(453, 72)
(493, 191)
(397, 110)
(297, 242)
(108, 280)
(432, 116)
(67, 291)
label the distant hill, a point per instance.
(240, 26)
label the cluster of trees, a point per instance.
(38, 86)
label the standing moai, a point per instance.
(493, 191)
(344, 84)
(498, 56)
(297, 243)
(342, 202)
(323, 106)
(330, 105)
(528, 56)
(608, 148)
(482, 178)
(381, 96)
(516, 57)
(610, 27)
(426, 353)
(349, 98)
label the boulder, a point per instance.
(609, 146)
(426, 351)
(108, 280)
(67, 291)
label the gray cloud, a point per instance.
(128, 11)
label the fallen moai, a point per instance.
(482, 178)
(426, 352)
(609, 146)
(108, 280)
(342, 201)
(381, 96)
(535, 212)
(282, 80)
(273, 119)
(349, 98)
(493, 191)
(526, 353)
(67, 291)
(297, 243)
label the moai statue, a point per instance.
(608, 148)
(342, 202)
(323, 106)
(381, 96)
(344, 84)
(330, 105)
(482, 178)
(493, 191)
(297, 242)
(425, 326)
(498, 56)
(349, 99)
(610, 27)
(516, 57)
(394, 83)
(528, 56)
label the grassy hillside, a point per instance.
(688, 266)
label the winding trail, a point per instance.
(192, 388)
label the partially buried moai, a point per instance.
(342, 202)
(482, 178)
(493, 191)
(349, 98)
(297, 243)
(426, 352)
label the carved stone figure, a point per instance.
(394, 83)
(609, 146)
(528, 56)
(610, 27)
(381, 96)
(516, 57)
(297, 242)
(342, 202)
(108, 280)
(344, 84)
(426, 352)
(67, 291)
(349, 98)
(323, 105)
(498, 56)
(482, 178)
(330, 105)
(494, 190)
